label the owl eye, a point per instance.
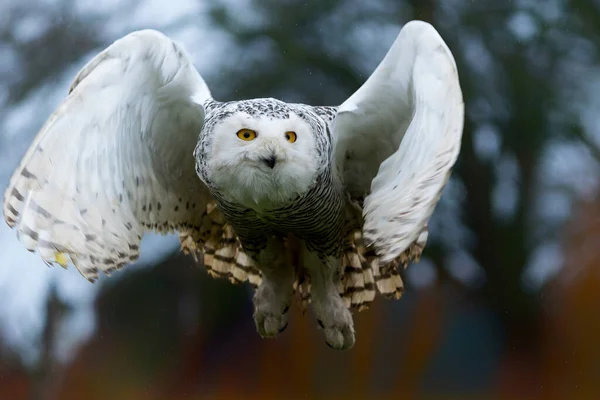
(246, 134)
(291, 136)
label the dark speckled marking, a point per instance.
(17, 194)
(25, 172)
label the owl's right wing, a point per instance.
(398, 137)
(115, 159)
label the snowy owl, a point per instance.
(324, 202)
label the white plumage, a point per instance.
(402, 131)
(281, 207)
(113, 159)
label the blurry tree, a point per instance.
(36, 47)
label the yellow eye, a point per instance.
(290, 136)
(246, 134)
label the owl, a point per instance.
(323, 203)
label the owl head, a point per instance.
(261, 153)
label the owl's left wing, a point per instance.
(398, 136)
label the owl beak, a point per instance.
(270, 161)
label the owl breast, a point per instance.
(319, 217)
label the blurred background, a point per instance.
(504, 304)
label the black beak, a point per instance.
(270, 161)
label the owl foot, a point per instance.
(336, 321)
(270, 310)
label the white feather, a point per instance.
(398, 137)
(114, 158)
(237, 167)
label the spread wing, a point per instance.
(398, 136)
(115, 159)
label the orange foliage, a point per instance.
(571, 358)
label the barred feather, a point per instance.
(362, 273)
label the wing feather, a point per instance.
(398, 136)
(114, 159)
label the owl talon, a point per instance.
(269, 325)
(340, 337)
(336, 321)
(270, 310)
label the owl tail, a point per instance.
(302, 288)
